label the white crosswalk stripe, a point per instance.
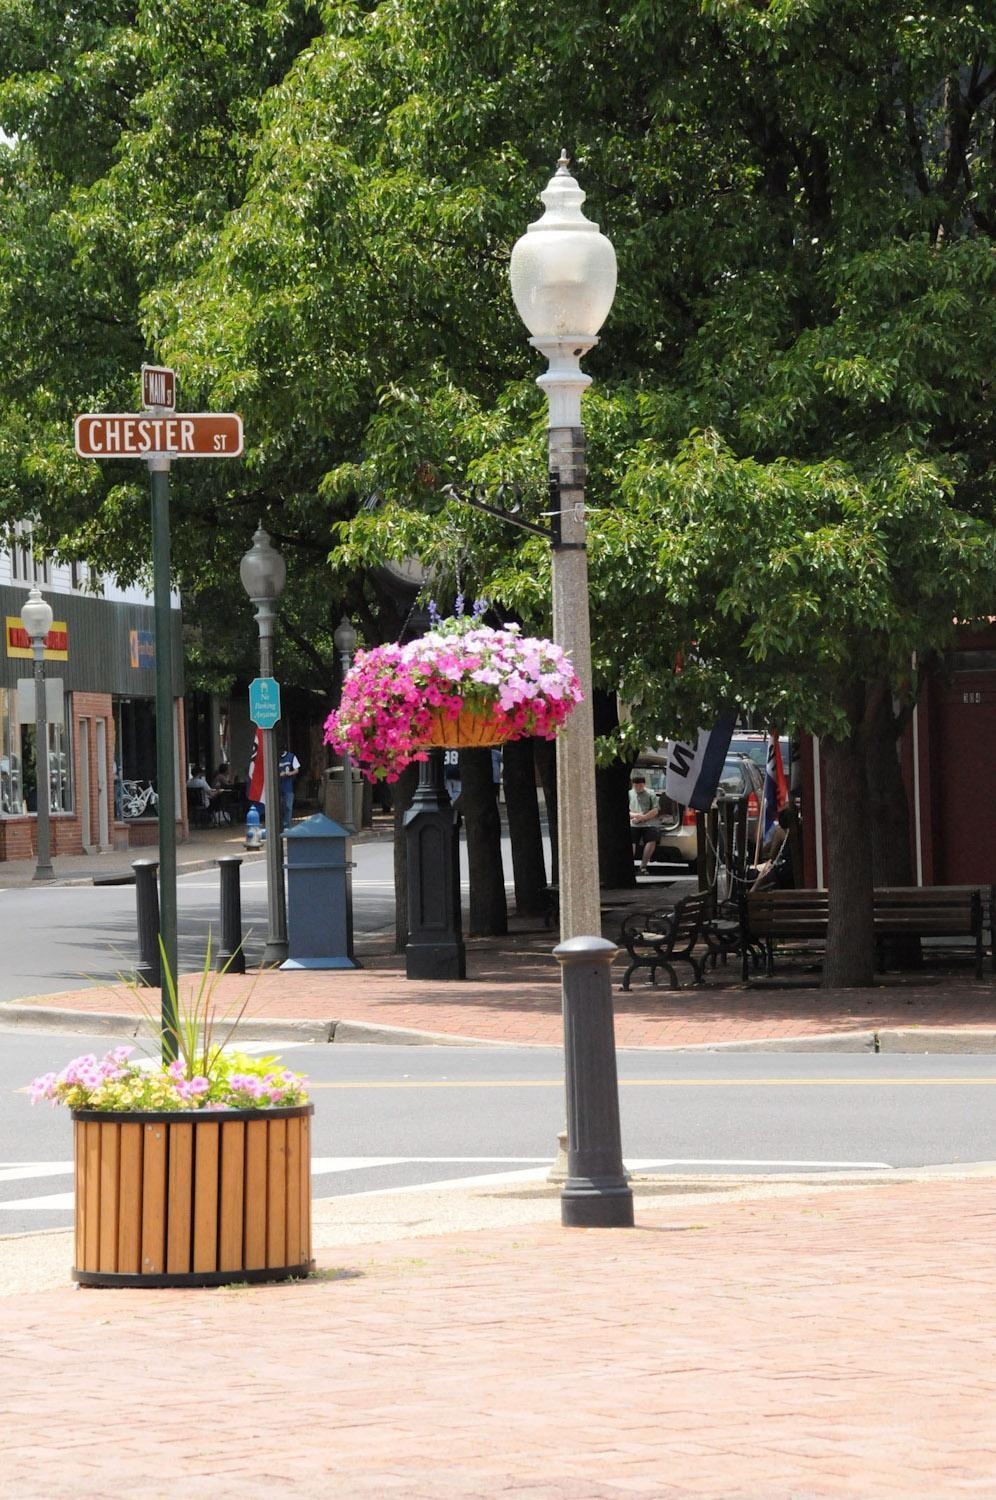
(438, 1172)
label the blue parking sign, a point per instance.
(264, 701)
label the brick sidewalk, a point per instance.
(815, 1345)
(513, 996)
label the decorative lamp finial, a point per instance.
(563, 164)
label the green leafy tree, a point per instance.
(308, 211)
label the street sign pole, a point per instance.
(156, 435)
(165, 759)
(276, 949)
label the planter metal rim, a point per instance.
(155, 1279)
(189, 1116)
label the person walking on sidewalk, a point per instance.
(289, 767)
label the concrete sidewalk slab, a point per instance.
(819, 1344)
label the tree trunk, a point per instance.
(850, 955)
(889, 824)
(404, 791)
(615, 844)
(545, 752)
(488, 916)
(524, 830)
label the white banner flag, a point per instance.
(693, 771)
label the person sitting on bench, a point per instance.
(777, 868)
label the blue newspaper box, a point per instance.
(319, 896)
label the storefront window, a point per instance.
(18, 778)
(11, 796)
(134, 758)
(60, 799)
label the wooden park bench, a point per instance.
(660, 939)
(941, 911)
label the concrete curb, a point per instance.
(258, 1028)
(892, 1039)
(949, 1039)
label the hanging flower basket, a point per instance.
(470, 729)
(461, 684)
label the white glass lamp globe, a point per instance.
(344, 638)
(262, 569)
(563, 270)
(36, 616)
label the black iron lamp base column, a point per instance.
(596, 1194)
(435, 948)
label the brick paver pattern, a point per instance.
(818, 1345)
(512, 995)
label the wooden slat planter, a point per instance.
(467, 731)
(192, 1197)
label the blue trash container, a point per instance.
(319, 896)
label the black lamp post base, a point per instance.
(435, 947)
(591, 1205)
(435, 961)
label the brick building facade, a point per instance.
(101, 651)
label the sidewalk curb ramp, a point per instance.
(940, 1039)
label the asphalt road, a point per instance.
(71, 936)
(390, 1117)
(64, 937)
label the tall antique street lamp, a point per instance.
(344, 640)
(563, 275)
(264, 573)
(36, 617)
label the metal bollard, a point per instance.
(231, 955)
(149, 969)
(596, 1193)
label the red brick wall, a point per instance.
(17, 834)
(92, 706)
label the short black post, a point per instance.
(596, 1193)
(149, 969)
(435, 948)
(231, 955)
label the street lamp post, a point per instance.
(563, 275)
(36, 617)
(344, 641)
(264, 573)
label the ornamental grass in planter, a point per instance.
(461, 684)
(191, 1172)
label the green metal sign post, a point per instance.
(157, 435)
(165, 758)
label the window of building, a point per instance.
(25, 567)
(19, 761)
(11, 797)
(134, 757)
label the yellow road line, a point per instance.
(654, 1083)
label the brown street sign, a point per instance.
(205, 434)
(158, 386)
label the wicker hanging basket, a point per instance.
(469, 730)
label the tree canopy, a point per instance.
(307, 209)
